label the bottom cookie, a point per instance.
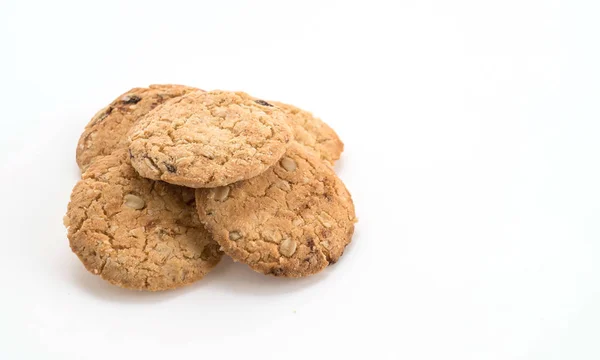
(293, 220)
(313, 133)
(137, 233)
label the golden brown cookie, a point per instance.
(208, 139)
(134, 232)
(313, 133)
(292, 220)
(108, 128)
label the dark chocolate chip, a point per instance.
(170, 167)
(331, 261)
(263, 103)
(104, 115)
(310, 243)
(131, 99)
(276, 271)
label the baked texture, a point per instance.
(312, 132)
(107, 131)
(134, 232)
(293, 220)
(208, 139)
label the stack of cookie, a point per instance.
(174, 176)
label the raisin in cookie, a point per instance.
(292, 220)
(134, 232)
(108, 128)
(312, 132)
(208, 139)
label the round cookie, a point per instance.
(293, 220)
(209, 139)
(108, 129)
(312, 132)
(137, 233)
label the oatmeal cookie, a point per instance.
(209, 139)
(134, 232)
(108, 129)
(293, 220)
(312, 132)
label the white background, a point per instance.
(472, 132)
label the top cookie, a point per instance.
(108, 129)
(292, 220)
(134, 232)
(313, 133)
(208, 139)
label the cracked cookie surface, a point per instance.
(107, 131)
(134, 232)
(208, 139)
(292, 220)
(312, 132)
